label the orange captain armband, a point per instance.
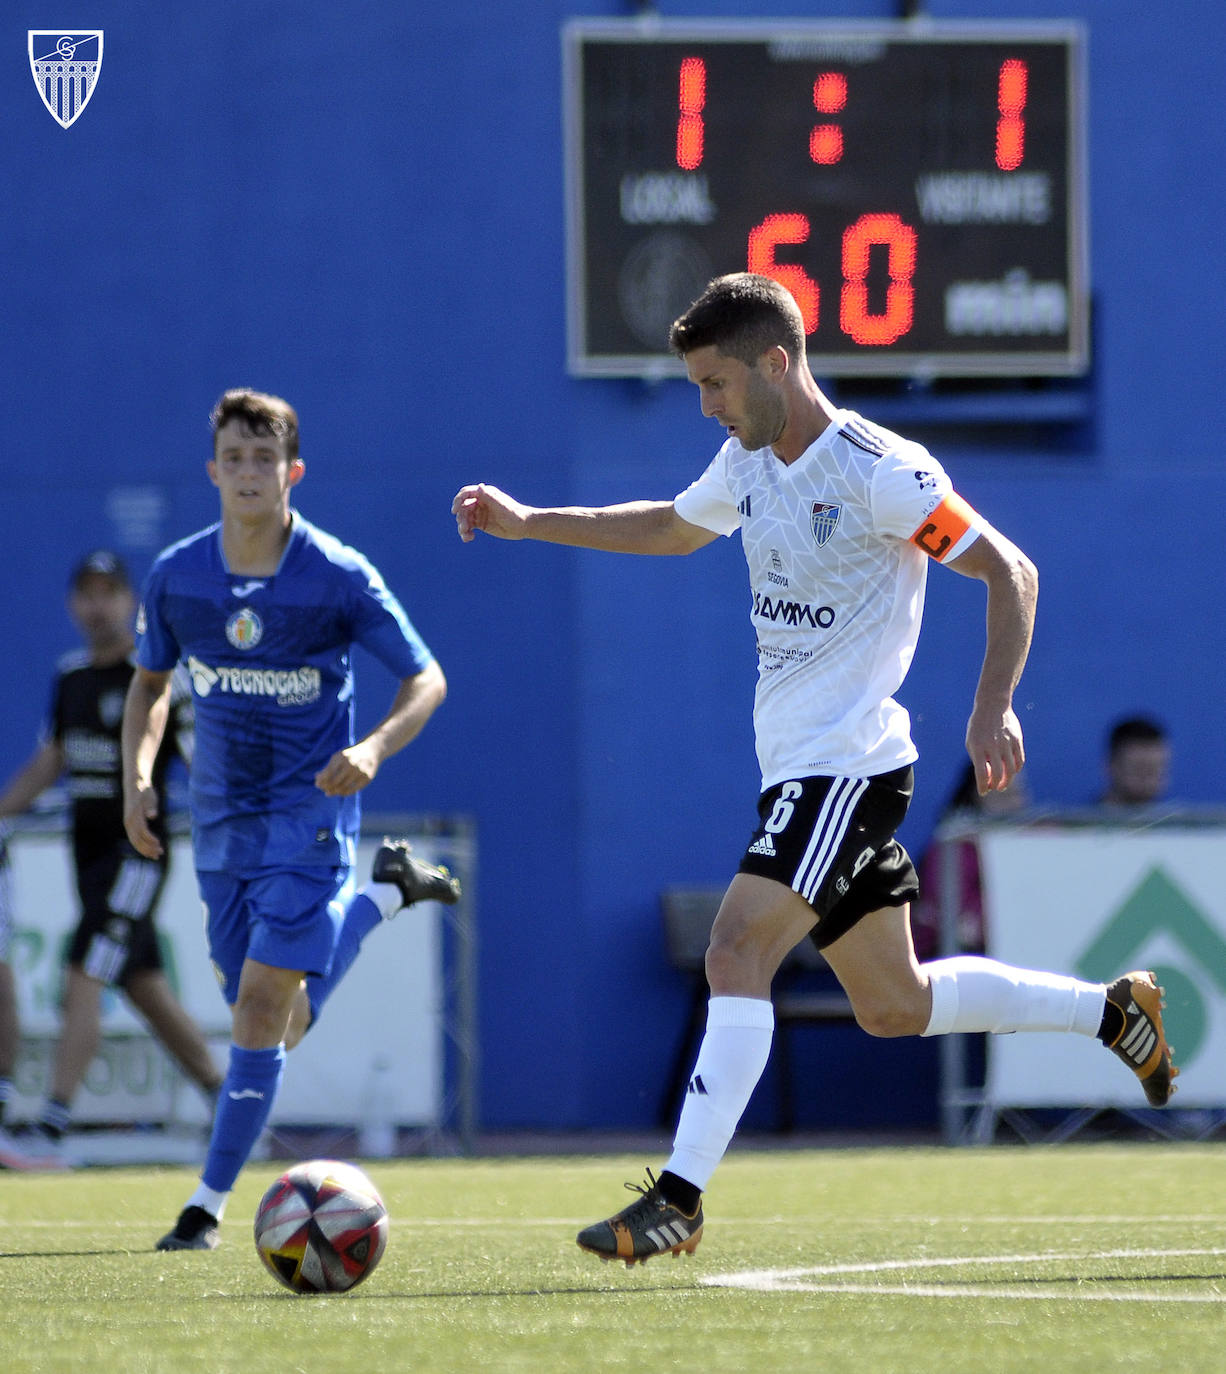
(943, 530)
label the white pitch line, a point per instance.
(816, 1279)
(902, 1290)
(1004, 1219)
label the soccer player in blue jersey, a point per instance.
(264, 608)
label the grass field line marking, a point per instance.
(1040, 1219)
(810, 1279)
(1004, 1219)
(952, 1261)
(1082, 1294)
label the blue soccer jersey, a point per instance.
(272, 681)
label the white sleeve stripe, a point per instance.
(973, 531)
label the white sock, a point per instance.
(386, 896)
(731, 1058)
(210, 1199)
(974, 994)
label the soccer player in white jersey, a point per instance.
(264, 609)
(839, 520)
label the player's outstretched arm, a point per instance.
(994, 733)
(635, 527)
(145, 713)
(489, 510)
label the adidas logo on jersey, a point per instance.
(764, 846)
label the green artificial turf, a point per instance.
(1078, 1258)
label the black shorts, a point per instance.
(832, 841)
(115, 936)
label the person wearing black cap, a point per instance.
(115, 942)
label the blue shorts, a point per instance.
(290, 919)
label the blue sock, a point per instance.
(243, 1107)
(361, 917)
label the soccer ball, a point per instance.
(321, 1227)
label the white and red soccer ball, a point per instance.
(321, 1227)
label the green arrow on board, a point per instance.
(1159, 906)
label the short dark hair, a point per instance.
(742, 314)
(261, 413)
(1135, 730)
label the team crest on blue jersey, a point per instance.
(825, 518)
(244, 629)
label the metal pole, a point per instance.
(953, 1047)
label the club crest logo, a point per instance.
(244, 629)
(825, 518)
(65, 67)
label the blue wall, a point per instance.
(361, 208)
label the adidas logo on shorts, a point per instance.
(763, 846)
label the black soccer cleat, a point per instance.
(1141, 1043)
(651, 1226)
(196, 1229)
(417, 881)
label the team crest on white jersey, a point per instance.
(825, 518)
(65, 68)
(244, 629)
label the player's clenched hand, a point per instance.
(487, 509)
(347, 771)
(136, 817)
(994, 743)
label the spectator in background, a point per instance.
(115, 943)
(1138, 763)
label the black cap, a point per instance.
(100, 563)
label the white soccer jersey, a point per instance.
(837, 545)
